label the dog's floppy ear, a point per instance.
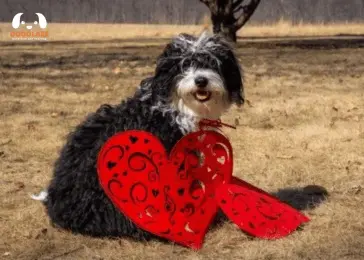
(168, 67)
(232, 71)
(170, 57)
(233, 75)
(237, 94)
(238, 97)
(237, 79)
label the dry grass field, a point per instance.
(303, 125)
(81, 32)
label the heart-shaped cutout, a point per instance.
(257, 212)
(171, 197)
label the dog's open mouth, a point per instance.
(202, 95)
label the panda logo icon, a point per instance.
(17, 22)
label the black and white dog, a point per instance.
(195, 78)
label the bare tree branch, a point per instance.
(211, 4)
(237, 3)
(207, 2)
(228, 16)
(237, 9)
(248, 11)
(228, 6)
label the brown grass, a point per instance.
(303, 125)
(60, 32)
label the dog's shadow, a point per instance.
(305, 198)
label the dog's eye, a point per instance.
(214, 63)
(187, 63)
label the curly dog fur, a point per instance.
(166, 105)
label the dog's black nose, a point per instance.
(201, 81)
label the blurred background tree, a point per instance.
(181, 11)
(228, 16)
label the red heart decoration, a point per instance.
(169, 197)
(264, 194)
(257, 212)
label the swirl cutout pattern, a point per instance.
(169, 196)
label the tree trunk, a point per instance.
(224, 26)
(228, 16)
(216, 23)
(228, 32)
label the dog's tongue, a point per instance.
(202, 95)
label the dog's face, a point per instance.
(198, 76)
